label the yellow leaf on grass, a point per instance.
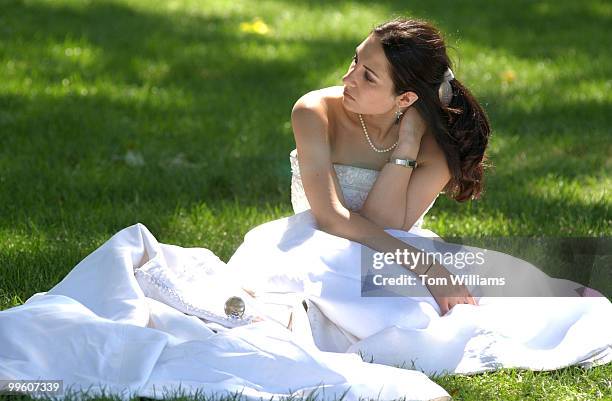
(257, 26)
(508, 76)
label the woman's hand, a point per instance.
(412, 127)
(447, 295)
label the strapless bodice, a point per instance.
(355, 183)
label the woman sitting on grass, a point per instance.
(402, 113)
(372, 157)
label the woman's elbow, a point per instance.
(370, 213)
(331, 221)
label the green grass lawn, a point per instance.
(176, 114)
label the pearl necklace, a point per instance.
(365, 131)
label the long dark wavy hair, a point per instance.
(417, 57)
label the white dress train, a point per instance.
(108, 329)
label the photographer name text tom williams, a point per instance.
(469, 279)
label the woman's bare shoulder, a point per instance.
(317, 108)
(324, 99)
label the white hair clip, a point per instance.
(446, 91)
(448, 75)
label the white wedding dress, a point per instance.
(137, 317)
(540, 333)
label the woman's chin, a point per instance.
(348, 103)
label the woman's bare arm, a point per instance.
(309, 120)
(400, 194)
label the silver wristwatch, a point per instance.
(403, 162)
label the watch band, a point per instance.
(403, 162)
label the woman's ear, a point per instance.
(408, 98)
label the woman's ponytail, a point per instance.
(469, 126)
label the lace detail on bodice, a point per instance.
(355, 182)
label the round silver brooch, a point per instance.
(234, 307)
